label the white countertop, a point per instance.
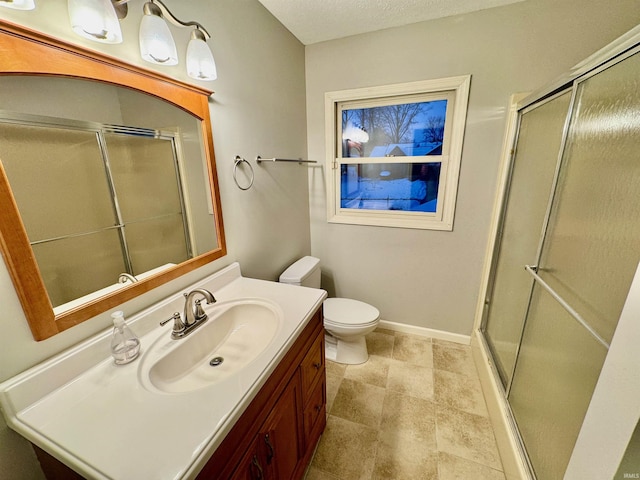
(101, 420)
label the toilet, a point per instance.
(346, 321)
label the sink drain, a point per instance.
(215, 361)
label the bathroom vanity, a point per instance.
(171, 415)
(277, 434)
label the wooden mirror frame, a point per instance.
(26, 52)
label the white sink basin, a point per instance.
(235, 334)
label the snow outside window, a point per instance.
(394, 153)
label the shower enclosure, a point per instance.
(566, 251)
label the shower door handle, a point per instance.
(533, 271)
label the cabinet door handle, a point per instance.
(256, 463)
(318, 408)
(271, 453)
(317, 365)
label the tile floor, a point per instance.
(414, 411)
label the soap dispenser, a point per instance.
(125, 346)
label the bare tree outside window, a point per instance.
(408, 124)
(396, 120)
(435, 129)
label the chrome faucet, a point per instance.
(194, 314)
(193, 311)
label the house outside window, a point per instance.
(394, 153)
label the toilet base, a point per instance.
(353, 352)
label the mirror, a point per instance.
(107, 179)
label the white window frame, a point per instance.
(456, 88)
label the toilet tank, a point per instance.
(305, 272)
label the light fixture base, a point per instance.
(121, 8)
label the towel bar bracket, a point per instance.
(259, 159)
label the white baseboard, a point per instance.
(425, 332)
(514, 462)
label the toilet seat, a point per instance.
(344, 326)
(345, 312)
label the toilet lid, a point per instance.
(345, 311)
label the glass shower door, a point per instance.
(68, 214)
(148, 186)
(589, 256)
(532, 173)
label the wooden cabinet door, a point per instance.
(281, 434)
(268, 441)
(313, 365)
(253, 465)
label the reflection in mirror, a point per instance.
(98, 200)
(115, 188)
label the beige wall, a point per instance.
(421, 278)
(429, 278)
(258, 108)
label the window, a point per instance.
(394, 153)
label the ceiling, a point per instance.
(313, 21)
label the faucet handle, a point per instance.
(199, 313)
(178, 324)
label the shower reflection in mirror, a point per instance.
(100, 203)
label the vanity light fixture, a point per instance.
(355, 133)
(95, 19)
(18, 4)
(156, 42)
(98, 21)
(200, 62)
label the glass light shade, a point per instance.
(18, 4)
(355, 133)
(200, 62)
(95, 19)
(156, 42)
